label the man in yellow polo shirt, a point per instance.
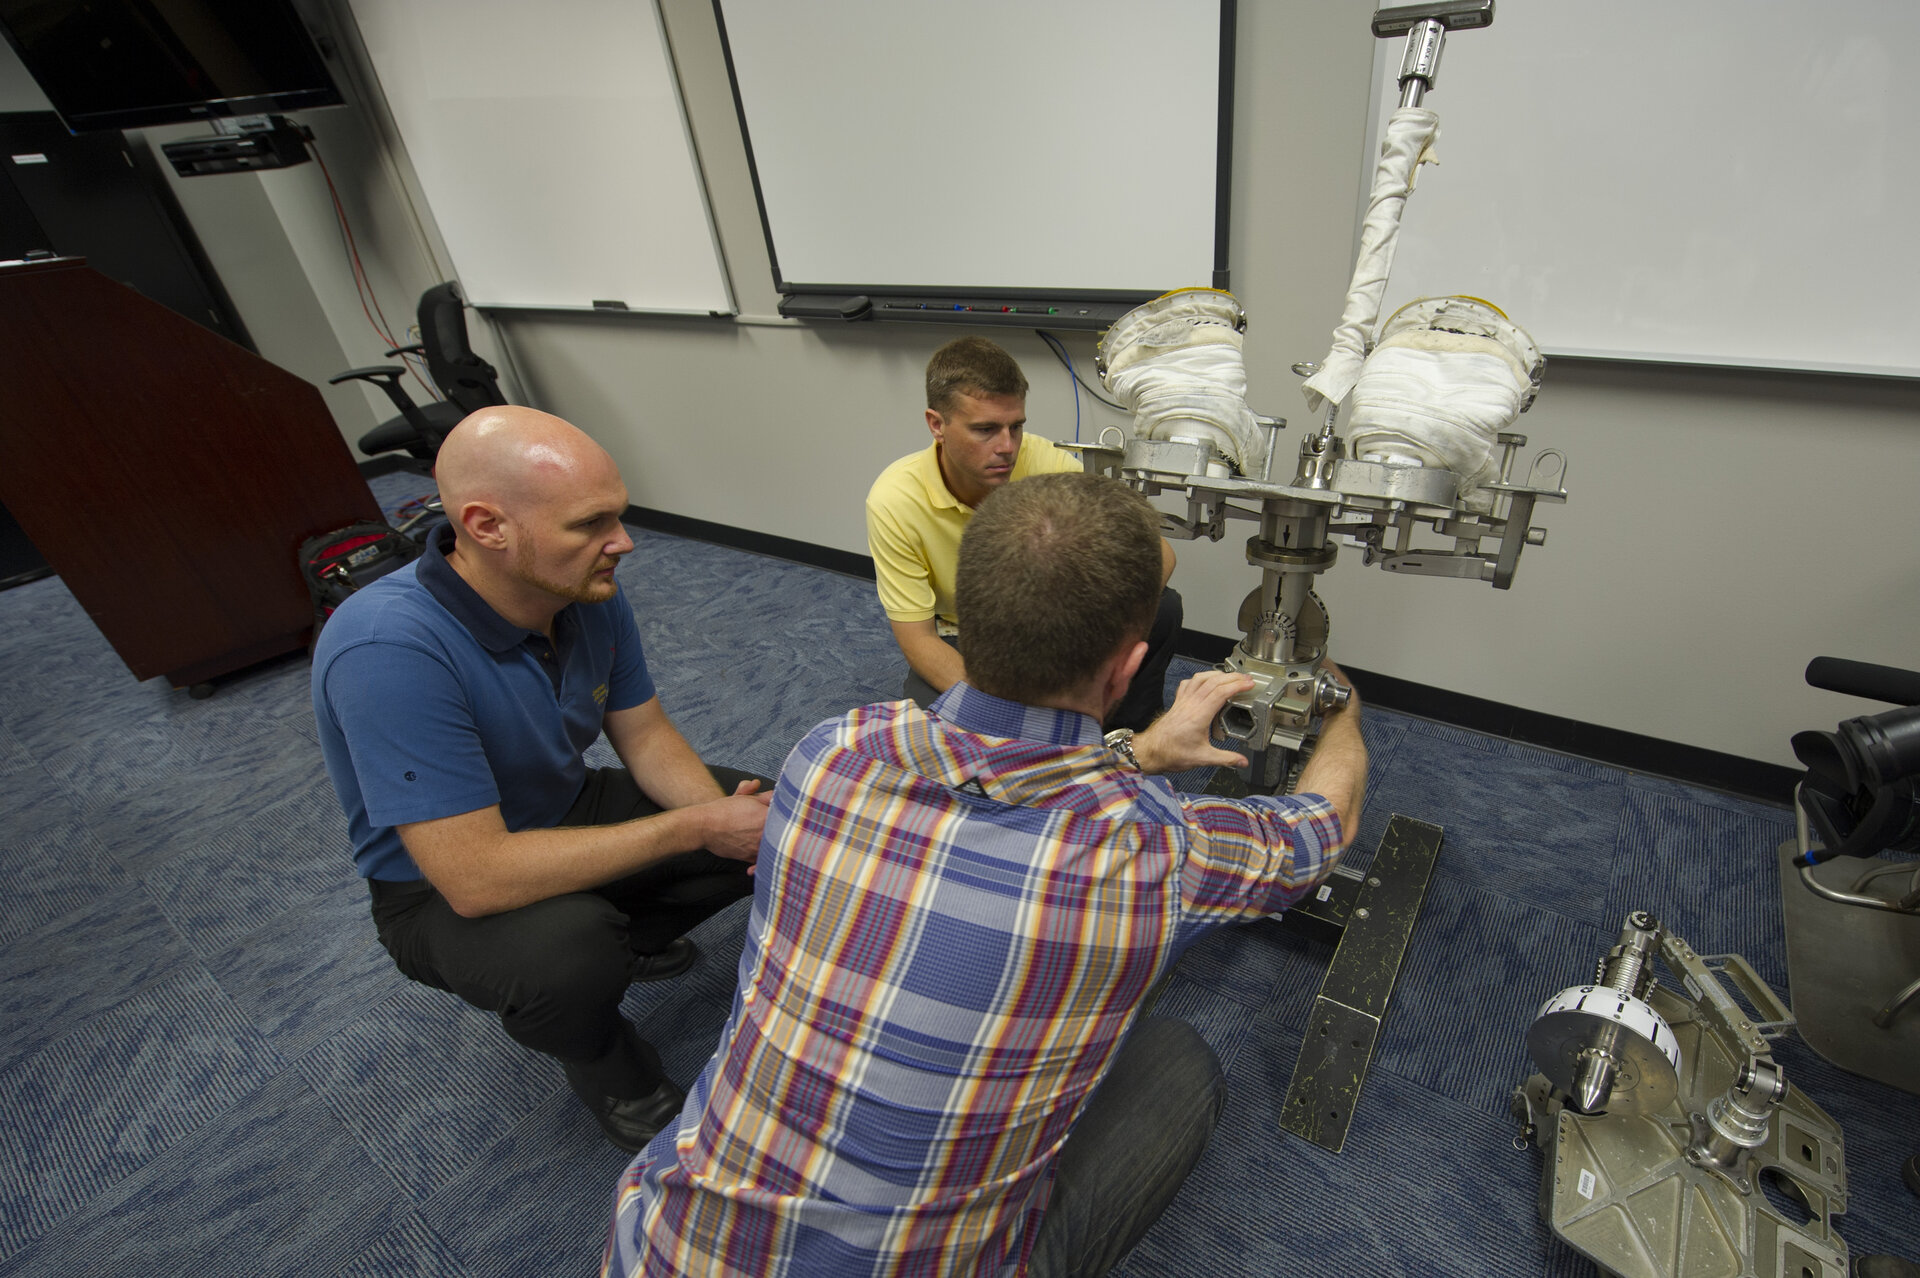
(917, 509)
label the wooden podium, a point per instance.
(167, 474)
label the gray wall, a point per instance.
(1724, 526)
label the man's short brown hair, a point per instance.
(971, 366)
(1056, 572)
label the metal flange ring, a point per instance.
(1308, 558)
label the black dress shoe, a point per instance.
(672, 961)
(630, 1124)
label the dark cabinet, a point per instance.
(97, 196)
(166, 473)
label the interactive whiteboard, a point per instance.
(1066, 146)
(550, 142)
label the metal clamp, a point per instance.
(1426, 27)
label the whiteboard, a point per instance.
(1000, 144)
(1705, 182)
(551, 146)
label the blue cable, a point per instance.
(1060, 353)
(1073, 377)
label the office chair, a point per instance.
(468, 382)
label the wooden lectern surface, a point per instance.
(167, 474)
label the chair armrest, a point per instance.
(373, 373)
(387, 378)
(418, 348)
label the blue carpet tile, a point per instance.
(53, 871)
(271, 1185)
(470, 1083)
(82, 965)
(209, 1067)
(129, 1084)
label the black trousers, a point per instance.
(1146, 695)
(556, 970)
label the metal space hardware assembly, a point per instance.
(1426, 480)
(1424, 477)
(1674, 1146)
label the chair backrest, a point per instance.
(463, 377)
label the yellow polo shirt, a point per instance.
(914, 526)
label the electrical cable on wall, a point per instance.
(1073, 382)
(362, 285)
(1060, 352)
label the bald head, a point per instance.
(535, 506)
(516, 459)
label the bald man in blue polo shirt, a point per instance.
(455, 699)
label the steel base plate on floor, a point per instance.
(1843, 963)
(1344, 1026)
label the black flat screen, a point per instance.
(122, 64)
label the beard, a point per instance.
(589, 589)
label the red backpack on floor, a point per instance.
(336, 564)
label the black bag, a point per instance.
(336, 564)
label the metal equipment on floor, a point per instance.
(1674, 1146)
(1368, 916)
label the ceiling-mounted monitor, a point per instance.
(129, 64)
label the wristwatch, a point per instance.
(1120, 741)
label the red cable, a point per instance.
(362, 286)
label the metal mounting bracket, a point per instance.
(1344, 1026)
(1368, 916)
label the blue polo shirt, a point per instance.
(431, 704)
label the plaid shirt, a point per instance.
(956, 916)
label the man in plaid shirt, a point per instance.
(934, 1062)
